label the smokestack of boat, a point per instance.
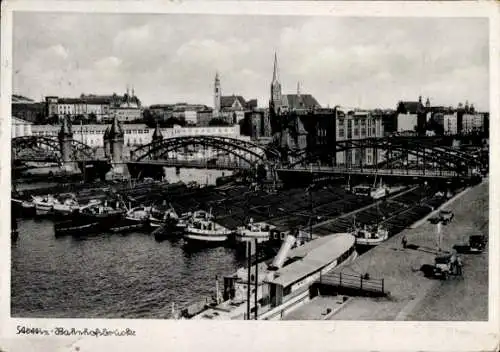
(279, 260)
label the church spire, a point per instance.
(275, 69)
(275, 101)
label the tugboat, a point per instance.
(203, 228)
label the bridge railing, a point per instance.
(377, 171)
(197, 163)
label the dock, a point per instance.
(409, 294)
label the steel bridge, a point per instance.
(398, 156)
(47, 149)
(217, 153)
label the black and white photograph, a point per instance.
(230, 166)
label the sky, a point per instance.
(363, 62)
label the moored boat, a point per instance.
(203, 228)
(138, 214)
(285, 283)
(66, 205)
(90, 219)
(370, 236)
(259, 231)
(44, 205)
(162, 217)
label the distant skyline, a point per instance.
(364, 62)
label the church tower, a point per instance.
(217, 95)
(275, 102)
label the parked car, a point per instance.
(477, 243)
(446, 216)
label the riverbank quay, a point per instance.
(411, 295)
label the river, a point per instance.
(111, 275)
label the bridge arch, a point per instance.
(38, 148)
(245, 150)
(394, 149)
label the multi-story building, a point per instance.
(27, 109)
(450, 123)
(460, 120)
(358, 124)
(103, 107)
(134, 134)
(259, 125)
(411, 116)
(20, 127)
(203, 117)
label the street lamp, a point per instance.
(309, 190)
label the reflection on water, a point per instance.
(201, 176)
(109, 275)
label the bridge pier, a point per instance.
(116, 141)
(65, 137)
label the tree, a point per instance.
(171, 121)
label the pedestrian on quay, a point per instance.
(459, 266)
(404, 242)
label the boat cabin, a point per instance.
(295, 279)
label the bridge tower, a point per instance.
(116, 141)
(107, 144)
(157, 136)
(65, 137)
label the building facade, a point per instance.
(20, 127)
(103, 107)
(27, 109)
(411, 116)
(134, 134)
(358, 124)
